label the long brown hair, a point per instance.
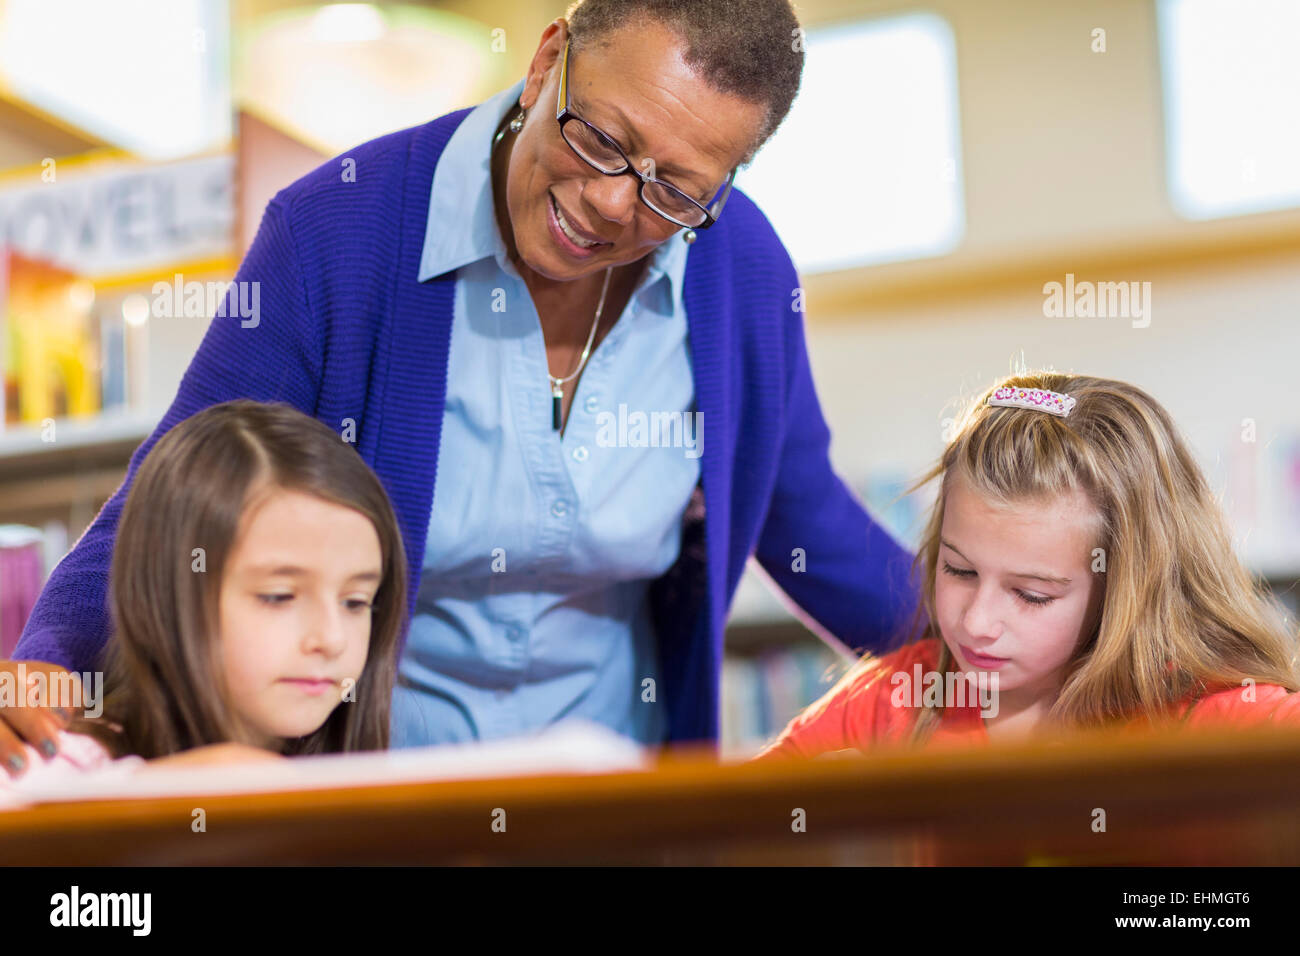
(164, 690)
(1180, 614)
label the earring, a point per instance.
(688, 236)
(517, 123)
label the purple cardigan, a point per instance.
(347, 331)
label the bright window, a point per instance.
(867, 166)
(149, 76)
(1232, 98)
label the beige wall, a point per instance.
(1063, 164)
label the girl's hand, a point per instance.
(215, 754)
(38, 726)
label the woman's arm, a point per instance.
(818, 543)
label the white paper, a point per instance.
(570, 747)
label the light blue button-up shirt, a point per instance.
(533, 598)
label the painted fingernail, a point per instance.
(16, 763)
(48, 748)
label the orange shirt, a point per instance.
(875, 707)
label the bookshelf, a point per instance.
(66, 481)
(774, 666)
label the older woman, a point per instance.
(542, 304)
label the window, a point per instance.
(867, 166)
(1231, 85)
(149, 76)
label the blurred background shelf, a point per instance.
(30, 446)
(67, 480)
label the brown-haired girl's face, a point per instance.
(1014, 589)
(295, 612)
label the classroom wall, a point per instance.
(1221, 352)
(1063, 149)
(1221, 347)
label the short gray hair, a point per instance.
(752, 49)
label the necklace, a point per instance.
(557, 384)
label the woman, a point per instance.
(442, 296)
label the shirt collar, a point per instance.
(462, 196)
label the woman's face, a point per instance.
(295, 613)
(1016, 584)
(639, 92)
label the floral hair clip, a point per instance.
(1054, 403)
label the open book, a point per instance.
(570, 747)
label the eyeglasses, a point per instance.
(602, 154)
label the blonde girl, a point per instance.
(1076, 561)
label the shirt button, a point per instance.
(501, 695)
(515, 633)
(560, 509)
(591, 404)
(580, 453)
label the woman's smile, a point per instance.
(574, 240)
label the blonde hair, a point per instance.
(1180, 614)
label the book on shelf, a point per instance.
(762, 692)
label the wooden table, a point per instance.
(1221, 798)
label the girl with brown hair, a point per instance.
(258, 598)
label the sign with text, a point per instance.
(112, 217)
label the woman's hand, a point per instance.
(19, 722)
(215, 754)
